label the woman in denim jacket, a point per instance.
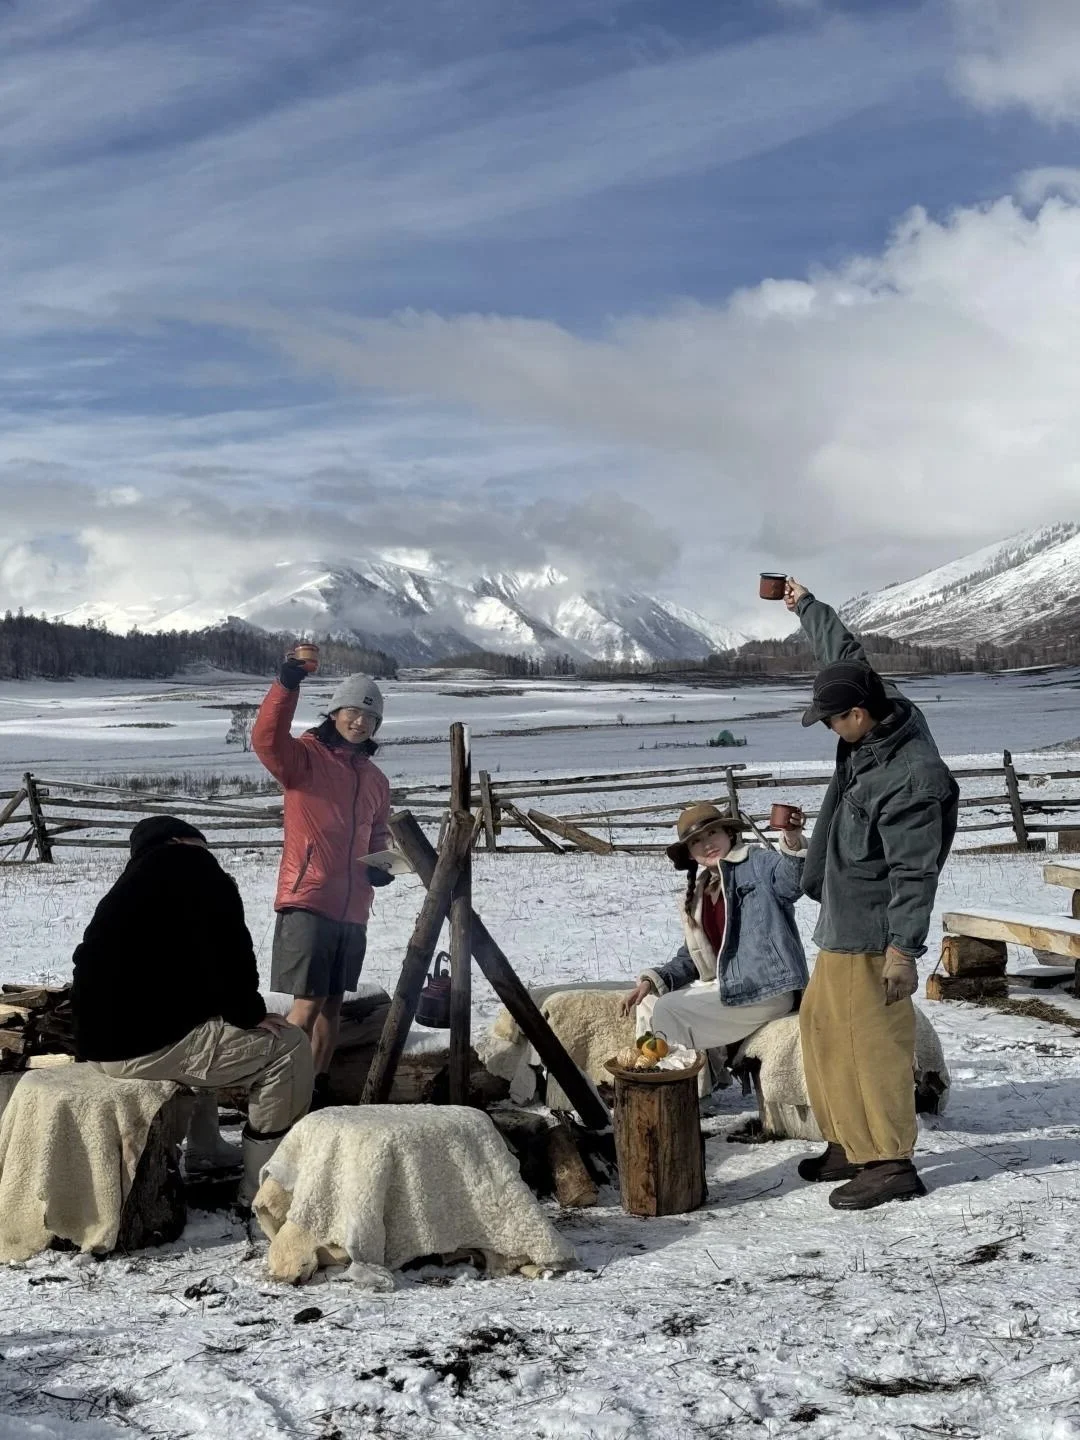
(742, 962)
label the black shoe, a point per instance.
(320, 1092)
(877, 1183)
(832, 1165)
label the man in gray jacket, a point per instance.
(878, 847)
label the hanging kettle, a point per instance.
(433, 1007)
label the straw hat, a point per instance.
(690, 824)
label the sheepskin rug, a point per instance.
(381, 1185)
(781, 1082)
(70, 1143)
(585, 1017)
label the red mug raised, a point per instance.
(772, 587)
(308, 655)
(781, 816)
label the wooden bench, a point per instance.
(1067, 874)
(1056, 934)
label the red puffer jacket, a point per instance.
(336, 807)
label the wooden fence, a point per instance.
(595, 813)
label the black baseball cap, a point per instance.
(841, 686)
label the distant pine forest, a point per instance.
(32, 647)
(36, 648)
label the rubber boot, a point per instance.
(257, 1151)
(206, 1151)
(831, 1165)
(878, 1183)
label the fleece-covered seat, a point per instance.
(773, 1057)
(585, 1017)
(70, 1143)
(381, 1185)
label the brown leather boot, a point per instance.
(832, 1165)
(877, 1183)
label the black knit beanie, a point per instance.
(158, 830)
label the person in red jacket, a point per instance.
(337, 803)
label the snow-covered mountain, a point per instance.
(1025, 588)
(420, 612)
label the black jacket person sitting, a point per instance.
(166, 988)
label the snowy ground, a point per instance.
(763, 1314)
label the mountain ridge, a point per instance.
(1025, 588)
(421, 613)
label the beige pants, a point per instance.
(858, 1055)
(696, 1017)
(275, 1070)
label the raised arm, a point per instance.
(272, 740)
(829, 637)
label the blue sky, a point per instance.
(786, 280)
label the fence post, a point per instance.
(488, 809)
(1015, 803)
(37, 820)
(461, 924)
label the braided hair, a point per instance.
(691, 885)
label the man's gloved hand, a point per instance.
(291, 673)
(379, 877)
(899, 976)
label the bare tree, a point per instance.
(240, 724)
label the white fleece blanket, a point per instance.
(382, 1185)
(586, 1019)
(70, 1143)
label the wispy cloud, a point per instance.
(1020, 54)
(920, 396)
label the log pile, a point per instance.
(973, 970)
(35, 1025)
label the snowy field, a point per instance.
(763, 1314)
(88, 729)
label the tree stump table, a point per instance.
(658, 1141)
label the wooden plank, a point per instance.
(988, 825)
(522, 822)
(182, 807)
(487, 809)
(1059, 935)
(13, 804)
(542, 783)
(503, 979)
(461, 924)
(1019, 822)
(101, 823)
(528, 793)
(581, 838)
(965, 987)
(418, 955)
(966, 955)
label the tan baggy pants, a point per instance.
(275, 1070)
(859, 1056)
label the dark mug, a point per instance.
(780, 816)
(772, 587)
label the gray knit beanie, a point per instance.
(358, 692)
